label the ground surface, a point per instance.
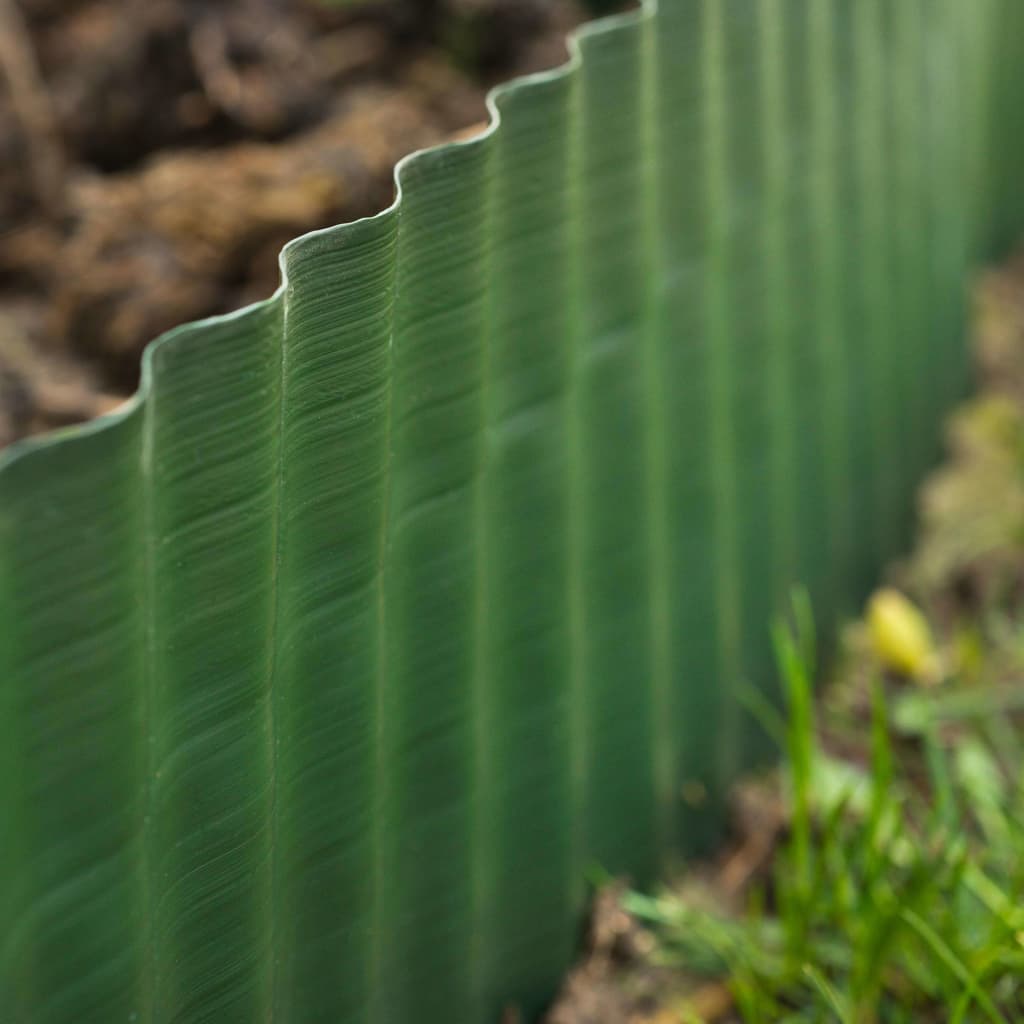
(156, 154)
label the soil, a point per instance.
(156, 154)
(620, 979)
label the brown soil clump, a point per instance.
(156, 154)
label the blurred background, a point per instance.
(156, 154)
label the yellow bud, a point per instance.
(900, 636)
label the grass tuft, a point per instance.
(895, 893)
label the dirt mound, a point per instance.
(156, 154)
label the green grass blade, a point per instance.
(953, 964)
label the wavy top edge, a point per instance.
(28, 448)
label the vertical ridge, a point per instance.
(852, 312)
(775, 265)
(483, 855)
(574, 526)
(726, 595)
(950, 243)
(378, 926)
(656, 381)
(874, 273)
(902, 141)
(686, 349)
(147, 601)
(434, 699)
(527, 497)
(210, 481)
(334, 428)
(1008, 115)
(274, 686)
(749, 337)
(70, 798)
(621, 813)
(983, 68)
(828, 327)
(971, 29)
(916, 33)
(814, 351)
(15, 985)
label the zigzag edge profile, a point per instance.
(30, 447)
